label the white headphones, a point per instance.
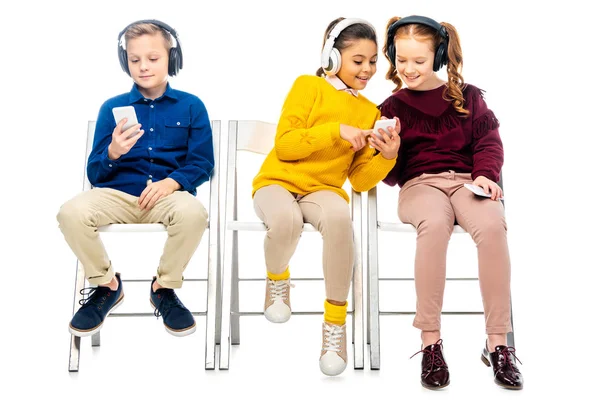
(331, 59)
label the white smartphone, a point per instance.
(479, 191)
(126, 112)
(383, 124)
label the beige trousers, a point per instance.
(183, 215)
(284, 214)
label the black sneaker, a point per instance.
(178, 320)
(100, 302)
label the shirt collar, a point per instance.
(337, 83)
(135, 95)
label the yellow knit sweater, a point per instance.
(309, 154)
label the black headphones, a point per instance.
(175, 54)
(441, 53)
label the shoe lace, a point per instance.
(506, 359)
(168, 300)
(434, 356)
(279, 290)
(93, 295)
(333, 337)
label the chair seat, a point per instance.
(259, 226)
(401, 227)
(124, 228)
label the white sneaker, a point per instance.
(277, 300)
(334, 357)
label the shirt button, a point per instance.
(178, 123)
(149, 176)
(151, 129)
(110, 165)
(151, 105)
(150, 148)
(145, 99)
(152, 160)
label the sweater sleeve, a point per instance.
(488, 152)
(368, 169)
(387, 110)
(100, 168)
(294, 140)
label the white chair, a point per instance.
(374, 225)
(213, 258)
(259, 137)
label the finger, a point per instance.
(486, 188)
(501, 193)
(131, 130)
(385, 136)
(147, 199)
(133, 140)
(383, 117)
(494, 192)
(363, 141)
(157, 196)
(144, 194)
(398, 124)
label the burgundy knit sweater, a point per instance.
(435, 138)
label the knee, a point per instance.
(285, 223)
(192, 215)
(439, 225)
(73, 212)
(338, 220)
(491, 228)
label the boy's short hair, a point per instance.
(141, 29)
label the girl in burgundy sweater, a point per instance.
(449, 137)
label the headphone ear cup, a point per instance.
(441, 56)
(123, 60)
(391, 53)
(173, 62)
(335, 62)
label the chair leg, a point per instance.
(373, 281)
(357, 318)
(510, 337)
(225, 342)
(76, 340)
(96, 339)
(235, 293)
(211, 303)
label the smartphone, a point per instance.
(126, 112)
(383, 124)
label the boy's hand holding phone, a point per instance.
(123, 141)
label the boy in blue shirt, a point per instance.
(146, 177)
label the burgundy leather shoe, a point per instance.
(506, 373)
(434, 370)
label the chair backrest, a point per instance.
(254, 136)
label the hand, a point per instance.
(156, 191)
(488, 186)
(121, 141)
(389, 146)
(356, 137)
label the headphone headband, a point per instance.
(335, 32)
(156, 22)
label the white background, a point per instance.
(59, 63)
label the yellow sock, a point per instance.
(279, 277)
(335, 314)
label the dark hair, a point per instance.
(456, 82)
(347, 36)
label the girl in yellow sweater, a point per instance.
(321, 141)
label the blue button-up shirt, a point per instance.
(177, 143)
